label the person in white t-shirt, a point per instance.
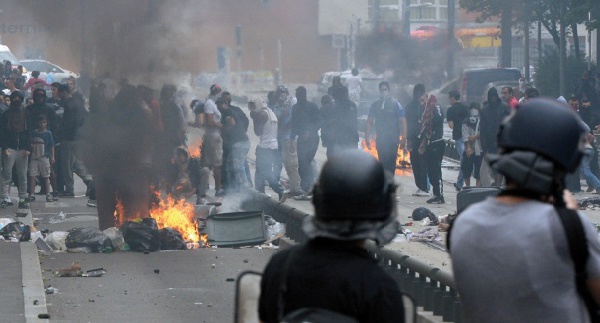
(355, 88)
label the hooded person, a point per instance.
(354, 201)
(492, 115)
(528, 266)
(432, 147)
(15, 141)
(414, 112)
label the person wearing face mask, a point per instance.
(492, 115)
(386, 115)
(15, 141)
(471, 160)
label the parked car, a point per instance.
(6, 55)
(57, 73)
(473, 81)
(498, 86)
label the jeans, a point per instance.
(585, 170)
(307, 149)
(70, 164)
(18, 158)
(265, 170)
(236, 165)
(460, 149)
(387, 150)
(290, 162)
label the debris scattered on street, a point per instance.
(157, 271)
(116, 238)
(51, 290)
(87, 240)
(427, 234)
(57, 218)
(56, 240)
(141, 234)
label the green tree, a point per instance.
(547, 74)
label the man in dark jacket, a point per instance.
(455, 115)
(492, 115)
(15, 141)
(414, 112)
(386, 115)
(73, 118)
(305, 130)
(344, 133)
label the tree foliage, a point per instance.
(547, 74)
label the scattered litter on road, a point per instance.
(98, 272)
(213, 265)
(73, 271)
(51, 290)
(56, 240)
(16, 231)
(42, 245)
(35, 302)
(57, 218)
(141, 234)
(43, 316)
(87, 240)
(421, 213)
(427, 234)
(171, 239)
(157, 271)
(5, 221)
(116, 238)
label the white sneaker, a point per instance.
(420, 193)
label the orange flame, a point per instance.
(119, 213)
(176, 214)
(402, 159)
(195, 149)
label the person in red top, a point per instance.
(509, 98)
(35, 78)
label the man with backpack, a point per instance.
(527, 255)
(332, 275)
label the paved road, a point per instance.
(187, 287)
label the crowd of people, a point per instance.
(288, 130)
(38, 137)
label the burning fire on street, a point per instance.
(195, 149)
(168, 213)
(402, 159)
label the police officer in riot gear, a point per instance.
(511, 253)
(354, 200)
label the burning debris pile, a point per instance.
(402, 160)
(170, 215)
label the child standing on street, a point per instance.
(42, 155)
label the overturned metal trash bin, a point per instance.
(236, 229)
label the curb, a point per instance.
(33, 284)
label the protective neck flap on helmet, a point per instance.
(530, 170)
